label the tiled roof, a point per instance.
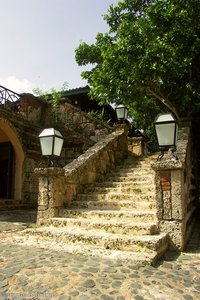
(81, 90)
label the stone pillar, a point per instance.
(51, 194)
(171, 202)
(136, 145)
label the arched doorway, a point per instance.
(11, 162)
(6, 170)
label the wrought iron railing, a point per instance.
(8, 97)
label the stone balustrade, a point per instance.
(58, 186)
(175, 203)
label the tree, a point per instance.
(150, 52)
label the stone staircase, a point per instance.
(114, 218)
(12, 204)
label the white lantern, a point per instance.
(122, 113)
(51, 142)
(166, 128)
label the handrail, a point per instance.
(7, 95)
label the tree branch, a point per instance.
(164, 100)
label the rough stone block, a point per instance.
(177, 190)
(167, 205)
(176, 231)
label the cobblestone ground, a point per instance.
(33, 273)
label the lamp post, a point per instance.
(122, 113)
(51, 142)
(166, 128)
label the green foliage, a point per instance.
(100, 115)
(151, 52)
(53, 97)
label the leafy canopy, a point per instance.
(150, 52)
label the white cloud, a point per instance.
(17, 85)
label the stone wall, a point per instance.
(42, 113)
(175, 202)
(81, 124)
(30, 184)
(58, 186)
(136, 145)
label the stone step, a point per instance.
(115, 197)
(115, 217)
(131, 178)
(113, 205)
(11, 204)
(119, 188)
(101, 238)
(135, 173)
(137, 255)
(129, 161)
(141, 184)
(17, 219)
(9, 201)
(136, 163)
(149, 156)
(133, 215)
(113, 226)
(130, 165)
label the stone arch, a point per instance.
(8, 134)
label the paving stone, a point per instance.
(118, 276)
(22, 282)
(147, 283)
(64, 298)
(103, 280)
(76, 270)
(106, 297)
(105, 287)
(137, 297)
(82, 289)
(74, 293)
(135, 285)
(28, 289)
(92, 270)
(3, 284)
(77, 265)
(148, 272)
(89, 283)
(3, 295)
(188, 297)
(81, 258)
(11, 271)
(84, 297)
(84, 274)
(110, 270)
(96, 292)
(134, 275)
(125, 270)
(116, 284)
(167, 265)
(2, 277)
(197, 287)
(134, 292)
(114, 292)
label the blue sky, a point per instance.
(38, 39)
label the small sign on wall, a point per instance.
(165, 180)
